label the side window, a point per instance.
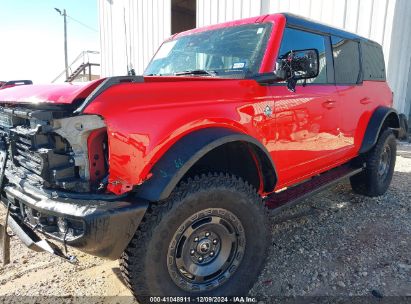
(346, 54)
(373, 61)
(299, 40)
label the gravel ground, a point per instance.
(342, 244)
(336, 244)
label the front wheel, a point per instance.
(380, 163)
(209, 238)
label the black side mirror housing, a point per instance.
(291, 67)
(299, 65)
(268, 78)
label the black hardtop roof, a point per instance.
(306, 23)
(25, 81)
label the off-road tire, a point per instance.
(145, 264)
(370, 182)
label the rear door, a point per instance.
(307, 121)
(354, 98)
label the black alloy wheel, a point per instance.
(208, 251)
(209, 238)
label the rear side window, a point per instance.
(373, 61)
(294, 40)
(346, 54)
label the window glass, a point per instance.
(294, 40)
(346, 60)
(373, 61)
(234, 51)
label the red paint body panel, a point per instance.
(96, 155)
(303, 137)
(143, 122)
(317, 128)
(51, 93)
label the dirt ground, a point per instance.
(336, 244)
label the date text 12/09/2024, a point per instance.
(202, 299)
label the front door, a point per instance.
(307, 121)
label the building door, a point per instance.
(183, 15)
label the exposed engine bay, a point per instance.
(50, 149)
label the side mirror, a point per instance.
(297, 65)
(268, 78)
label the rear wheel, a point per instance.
(209, 238)
(380, 163)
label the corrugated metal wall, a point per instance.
(133, 30)
(399, 60)
(374, 21)
(217, 11)
(386, 21)
(149, 22)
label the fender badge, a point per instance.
(268, 111)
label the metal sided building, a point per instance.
(132, 30)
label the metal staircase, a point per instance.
(85, 68)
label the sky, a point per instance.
(32, 40)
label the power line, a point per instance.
(83, 24)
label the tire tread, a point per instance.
(364, 182)
(132, 260)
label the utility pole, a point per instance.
(64, 14)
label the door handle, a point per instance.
(329, 104)
(365, 101)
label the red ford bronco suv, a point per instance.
(171, 172)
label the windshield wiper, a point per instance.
(196, 72)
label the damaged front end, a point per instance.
(47, 151)
(54, 182)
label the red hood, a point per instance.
(50, 93)
(68, 93)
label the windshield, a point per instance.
(227, 52)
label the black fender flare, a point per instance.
(180, 157)
(381, 116)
